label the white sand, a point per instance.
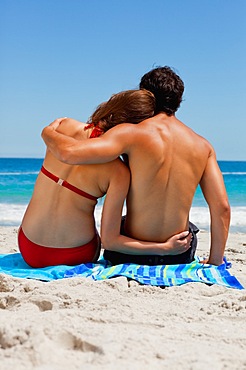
(81, 324)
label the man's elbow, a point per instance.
(227, 208)
(221, 211)
(227, 212)
(224, 210)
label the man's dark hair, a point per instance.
(167, 88)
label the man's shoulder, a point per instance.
(125, 133)
(203, 141)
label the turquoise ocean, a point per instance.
(18, 175)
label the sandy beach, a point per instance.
(78, 323)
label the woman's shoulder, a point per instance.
(113, 169)
(72, 127)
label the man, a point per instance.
(167, 162)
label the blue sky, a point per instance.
(64, 57)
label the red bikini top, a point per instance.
(96, 132)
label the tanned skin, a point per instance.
(167, 161)
(58, 217)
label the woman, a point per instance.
(59, 226)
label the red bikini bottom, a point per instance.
(38, 256)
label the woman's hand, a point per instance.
(178, 243)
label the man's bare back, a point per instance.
(165, 176)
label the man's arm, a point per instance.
(99, 150)
(213, 188)
(111, 222)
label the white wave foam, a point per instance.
(233, 173)
(19, 173)
(12, 214)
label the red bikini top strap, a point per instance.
(96, 132)
(66, 184)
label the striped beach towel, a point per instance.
(163, 275)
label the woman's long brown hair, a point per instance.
(130, 106)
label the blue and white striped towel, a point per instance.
(166, 275)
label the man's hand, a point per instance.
(204, 261)
(178, 244)
(49, 133)
(55, 124)
(51, 127)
